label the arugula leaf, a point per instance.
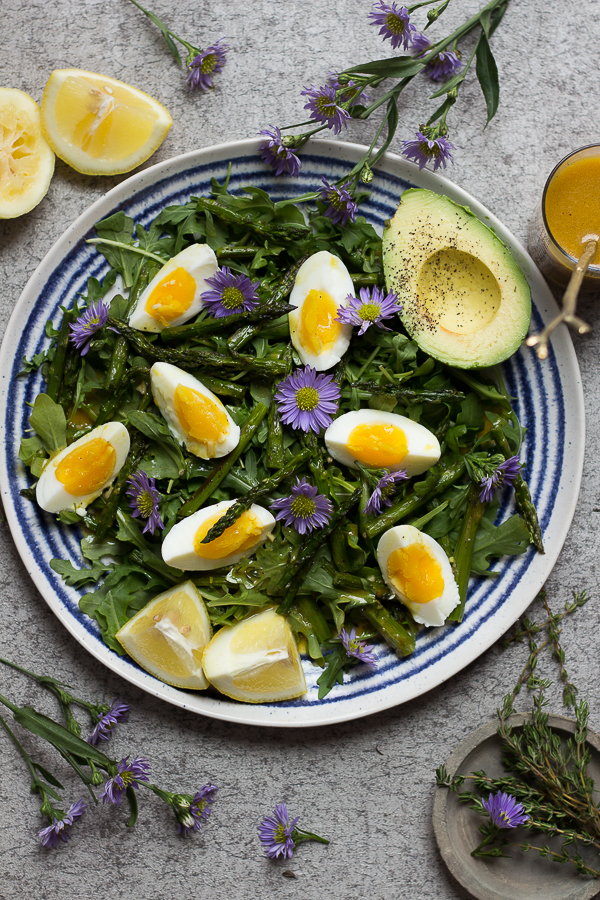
(78, 577)
(510, 538)
(49, 422)
(119, 227)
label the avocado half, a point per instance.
(464, 299)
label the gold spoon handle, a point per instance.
(569, 302)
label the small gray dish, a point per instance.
(525, 876)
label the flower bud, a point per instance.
(366, 175)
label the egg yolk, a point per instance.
(171, 297)
(381, 446)
(415, 573)
(87, 468)
(317, 329)
(240, 536)
(199, 416)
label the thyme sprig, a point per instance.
(545, 774)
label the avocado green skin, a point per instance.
(425, 223)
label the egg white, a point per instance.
(423, 446)
(164, 379)
(51, 494)
(436, 611)
(178, 546)
(200, 263)
(327, 273)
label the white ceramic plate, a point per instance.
(549, 403)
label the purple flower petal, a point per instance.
(395, 23)
(230, 294)
(129, 774)
(384, 492)
(60, 828)
(86, 326)
(323, 107)
(356, 648)
(282, 159)
(504, 474)
(275, 833)
(305, 508)
(205, 64)
(307, 400)
(118, 712)
(191, 812)
(504, 811)
(144, 500)
(423, 150)
(340, 205)
(371, 309)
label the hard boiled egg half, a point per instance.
(175, 293)
(320, 290)
(195, 416)
(80, 472)
(382, 440)
(417, 570)
(183, 548)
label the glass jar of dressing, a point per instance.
(568, 217)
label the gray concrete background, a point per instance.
(368, 785)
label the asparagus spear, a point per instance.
(196, 358)
(408, 394)
(108, 409)
(275, 450)
(522, 495)
(389, 627)
(262, 313)
(263, 487)
(277, 230)
(463, 552)
(405, 507)
(56, 368)
(224, 388)
(226, 464)
(292, 579)
(285, 285)
(237, 252)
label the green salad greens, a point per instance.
(322, 581)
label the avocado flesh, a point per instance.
(465, 300)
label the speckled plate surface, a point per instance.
(549, 403)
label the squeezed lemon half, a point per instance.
(167, 636)
(26, 159)
(98, 125)
(256, 661)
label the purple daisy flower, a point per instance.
(505, 473)
(307, 400)
(144, 501)
(395, 23)
(86, 326)
(340, 205)
(425, 149)
(305, 508)
(276, 831)
(118, 712)
(324, 108)
(274, 152)
(383, 493)
(371, 309)
(442, 66)
(230, 294)
(60, 828)
(362, 651)
(504, 811)
(190, 811)
(352, 93)
(128, 775)
(205, 64)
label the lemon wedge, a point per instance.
(167, 636)
(98, 125)
(26, 160)
(256, 660)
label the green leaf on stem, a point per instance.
(487, 74)
(49, 422)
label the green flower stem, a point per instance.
(129, 247)
(299, 835)
(139, 445)
(256, 493)
(404, 508)
(291, 580)
(153, 18)
(394, 633)
(223, 468)
(463, 553)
